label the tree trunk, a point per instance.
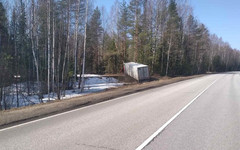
(17, 93)
(135, 58)
(4, 98)
(58, 66)
(48, 48)
(76, 41)
(1, 98)
(84, 50)
(34, 44)
(53, 56)
(168, 54)
(67, 46)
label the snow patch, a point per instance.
(93, 83)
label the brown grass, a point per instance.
(18, 115)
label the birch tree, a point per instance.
(67, 44)
(34, 41)
(84, 48)
(48, 46)
(76, 39)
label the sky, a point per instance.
(222, 17)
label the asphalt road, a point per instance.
(211, 122)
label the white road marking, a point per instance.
(147, 141)
(67, 112)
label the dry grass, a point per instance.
(19, 115)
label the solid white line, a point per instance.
(67, 112)
(147, 141)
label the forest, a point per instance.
(51, 43)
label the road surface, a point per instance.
(210, 121)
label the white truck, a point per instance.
(137, 71)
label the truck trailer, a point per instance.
(137, 71)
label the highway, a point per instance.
(196, 114)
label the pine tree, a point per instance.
(22, 43)
(23, 51)
(135, 14)
(145, 48)
(161, 21)
(202, 46)
(94, 34)
(5, 56)
(3, 28)
(189, 46)
(173, 39)
(123, 26)
(111, 58)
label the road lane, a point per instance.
(211, 123)
(123, 123)
(151, 138)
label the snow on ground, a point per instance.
(90, 75)
(93, 83)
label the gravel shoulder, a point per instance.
(24, 114)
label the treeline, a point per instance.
(42, 41)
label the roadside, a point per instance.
(24, 114)
(24, 94)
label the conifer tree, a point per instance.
(172, 39)
(123, 30)
(135, 7)
(5, 56)
(94, 35)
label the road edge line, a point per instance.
(73, 110)
(63, 113)
(148, 140)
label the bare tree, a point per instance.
(67, 43)
(34, 41)
(84, 50)
(48, 46)
(53, 52)
(76, 40)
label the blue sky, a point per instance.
(107, 3)
(222, 17)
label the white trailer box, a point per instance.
(137, 71)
